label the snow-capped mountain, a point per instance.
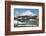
(28, 13)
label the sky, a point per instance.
(18, 11)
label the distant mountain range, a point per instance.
(27, 13)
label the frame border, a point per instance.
(8, 16)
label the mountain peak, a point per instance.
(28, 13)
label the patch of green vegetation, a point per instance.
(29, 22)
